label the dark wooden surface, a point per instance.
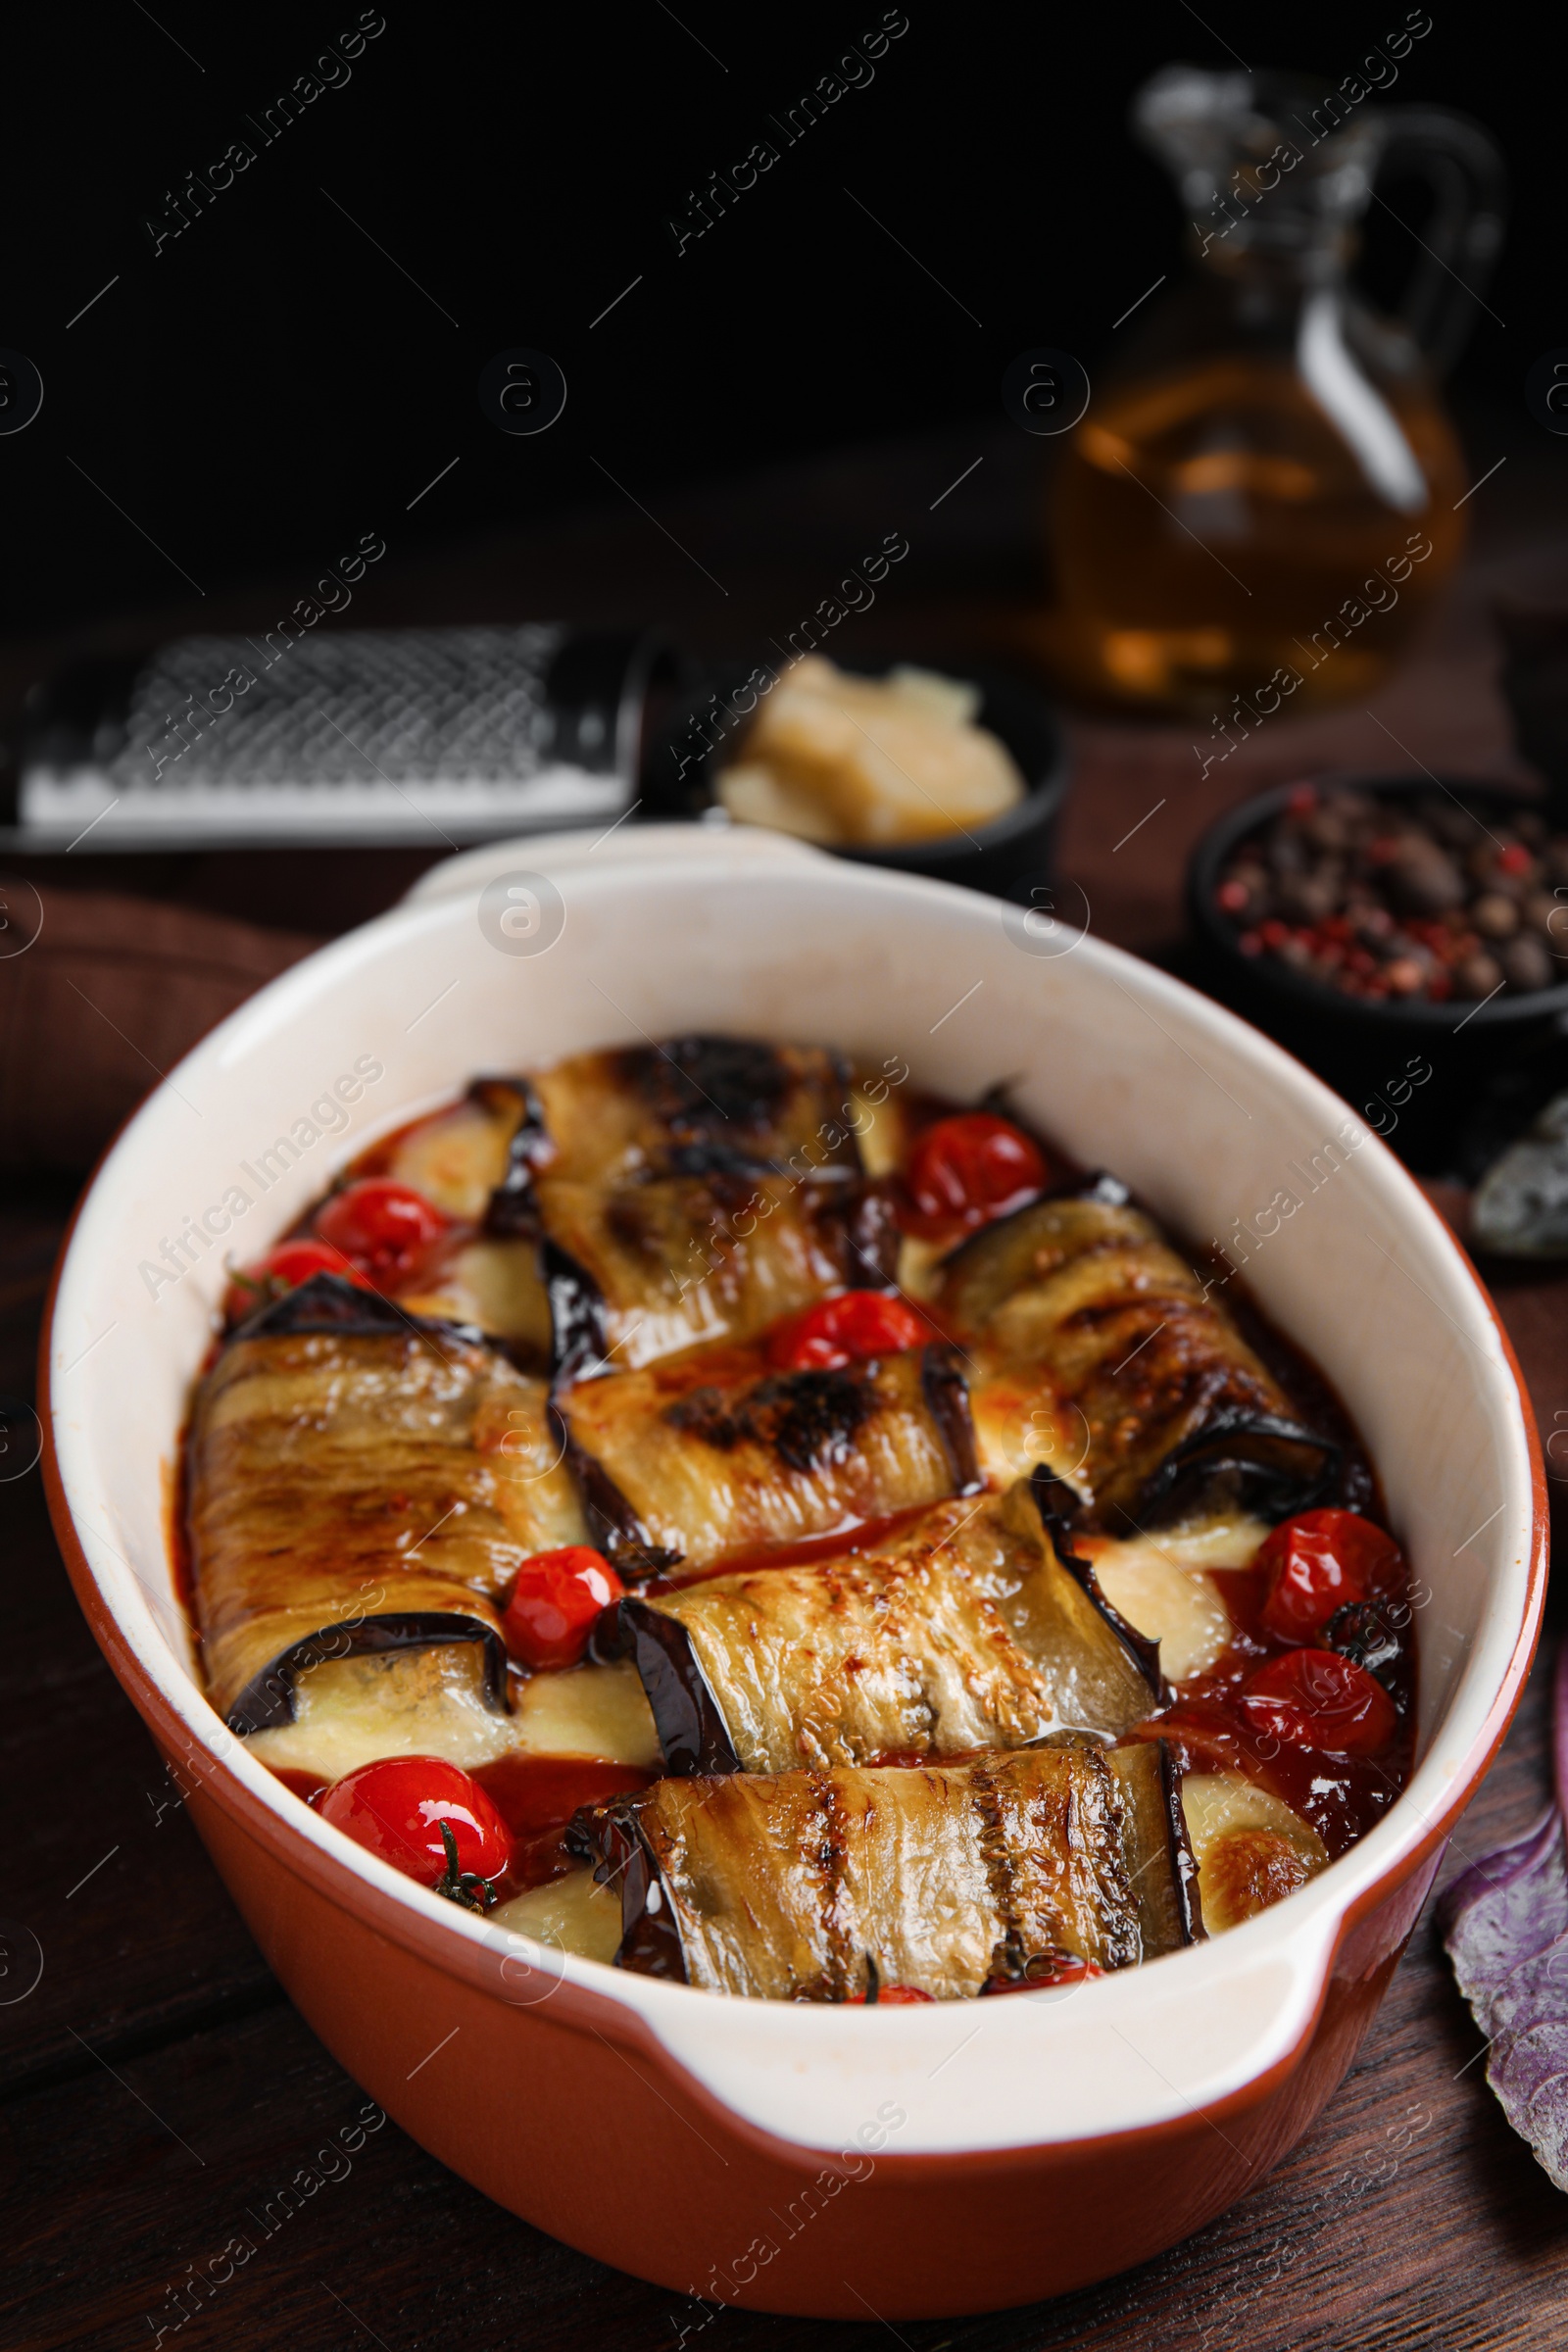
(157, 2091)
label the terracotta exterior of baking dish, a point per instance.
(851, 2164)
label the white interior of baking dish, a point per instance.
(687, 929)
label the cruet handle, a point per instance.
(1469, 182)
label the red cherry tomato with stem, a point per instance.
(396, 1808)
(387, 1230)
(555, 1602)
(845, 1331)
(972, 1168)
(284, 1269)
(1317, 1698)
(1319, 1561)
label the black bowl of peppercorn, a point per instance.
(1407, 936)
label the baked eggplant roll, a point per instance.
(696, 1191)
(965, 1632)
(711, 1453)
(951, 1878)
(361, 1483)
(1151, 1392)
(476, 1162)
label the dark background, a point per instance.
(269, 385)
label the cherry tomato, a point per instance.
(393, 1808)
(555, 1602)
(1317, 1562)
(842, 1331)
(388, 1229)
(284, 1269)
(1316, 1698)
(969, 1169)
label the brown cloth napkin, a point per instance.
(100, 999)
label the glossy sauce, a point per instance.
(1341, 1796)
(537, 1796)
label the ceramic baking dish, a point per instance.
(902, 2162)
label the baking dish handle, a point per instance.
(555, 853)
(1151, 2048)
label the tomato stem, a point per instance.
(462, 1885)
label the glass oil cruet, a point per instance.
(1260, 498)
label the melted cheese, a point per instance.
(1163, 1586)
(1251, 1848)
(570, 1915)
(431, 1702)
(454, 1160)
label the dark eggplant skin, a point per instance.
(512, 1213)
(578, 1321)
(947, 1395)
(608, 1838)
(793, 1886)
(268, 1698)
(1182, 1861)
(331, 1302)
(1081, 1291)
(1060, 1511)
(613, 1527)
(1276, 1464)
(692, 1734)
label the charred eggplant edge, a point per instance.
(1184, 1862)
(947, 1400)
(267, 1701)
(1059, 1518)
(611, 1837)
(511, 1211)
(614, 1525)
(692, 1734)
(1286, 1495)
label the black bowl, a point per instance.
(1369, 1049)
(703, 733)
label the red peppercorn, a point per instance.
(1233, 897)
(1273, 933)
(1303, 798)
(1250, 944)
(1515, 859)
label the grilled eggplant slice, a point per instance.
(359, 1488)
(963, 1632)
(1146, 1381)
(711, 1453)
(696, 1192)
(949, 1877)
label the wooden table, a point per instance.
(156, 2092)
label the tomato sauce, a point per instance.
(1340, 1795)
(537, 1796)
